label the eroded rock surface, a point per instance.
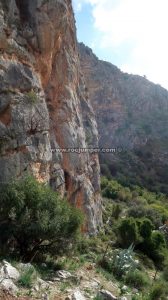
(132, 115)
(43, 103)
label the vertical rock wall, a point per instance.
(43, 103)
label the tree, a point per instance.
(128, 232)
(34, 218)
(155, 247)
(146, 228)
(117, 209)
(112, 189)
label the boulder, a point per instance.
(124, 288)
(24, 267)
(45, 296)
(106, 295)
(78, 296)
(8, 285)
(63, 274)
(42, 284)
(7, 271)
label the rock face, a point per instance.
(78, 296)
(106, 295)
(43, 104)
(7, 271)
(8, 277)
(132, 114)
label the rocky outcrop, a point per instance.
(132, 115)
(43, 104)
(106, 295)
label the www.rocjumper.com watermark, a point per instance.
(87, 150)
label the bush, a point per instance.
(32, 96)
(34, 218)
(119, 262)
(140, 211)
(117, 209)
(128, 232)
(154, 247)
(105, 171)
(137, 279)
(139, 232)
(123, 262)
(158, 240)
(28, 277)
(111, 190)
(98, 297)
(159, 291)
(104, 182)
(146, 228)
(145, 261)
(165, 274)
(83, 245)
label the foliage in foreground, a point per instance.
(139, 232)
(137, 279)
(27, 277)
(140, 215)
(123, 262)
(158, 291)
(35, 219)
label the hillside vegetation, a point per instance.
(129, 256)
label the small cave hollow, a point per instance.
(26, 8)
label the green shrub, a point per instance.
(98, 297)
(145, 261)
(105, 171)
(139, 211)
(121, 195)
(32, 97)
(139, 232)
(146, 228)
(159, 291)
(165, 273)
(104, 182)
(137, 297)
(154, 247)
(35, 218)
(134, 228)
(137, 279)
(28, 277)
(160, 209)
(111, 190)
(116, 211)
(83, 245)
(128, 232)
(106, 264)
(158, 240)
(89, 244)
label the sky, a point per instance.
(131, 34)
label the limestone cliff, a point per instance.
(132, 114)
(43, 106)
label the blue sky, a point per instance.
(131, 34)
(90, 36)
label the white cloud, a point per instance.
(143, 24)
(79, 3)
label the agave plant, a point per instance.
(124, 261)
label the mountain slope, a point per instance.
(132, 114)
